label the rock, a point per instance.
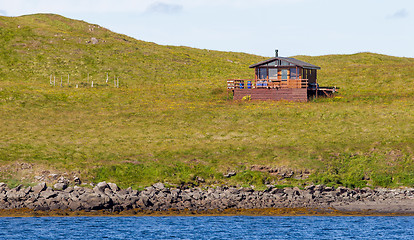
(113, 187)
(94, 40)
(149, 189)
(196, 195)
(200, 179)
(40, 178)
(108, 192)
(310, 187)
(63, 180)
(159, 186)
(143, 202)
(41, 205)
(108, 196)
(366, 190)
(341, 190)
(75, 205)
(319, 188)
(27, 190)
(53, 176)
(102, 185)
(60, 186)
(98, 190)
(39, 187)
(12, 195)
(69, 189)
(48, 193)
(77, 181)
(276, 191)
(96, 202)
(308, 196)
(230, 174)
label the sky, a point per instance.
(294, 27)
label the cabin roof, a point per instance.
(293, 61)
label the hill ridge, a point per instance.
(172, 120)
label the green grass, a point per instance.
(170, 120)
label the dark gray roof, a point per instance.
(293, 61)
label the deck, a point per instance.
(289, 89)
(266, 84)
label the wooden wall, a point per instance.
(289, 94)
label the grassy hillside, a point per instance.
(170, 119)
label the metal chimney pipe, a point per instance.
(276, 53)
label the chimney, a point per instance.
(276, 53)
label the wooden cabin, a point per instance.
(279, 78)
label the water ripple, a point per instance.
(238, 227)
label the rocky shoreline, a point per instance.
(157, 198)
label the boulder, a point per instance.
(77, 181)
(53, 176)
(18, 188)
(108, 192)
(113, 187)
(69, 189)
(310, 187)
(143, 202)
(341, 190)
(230, 174)
(48, 193)
(159, 186)
(102, 185)
(75, 205)
(196, 195)
(12, 195)
(96, 202)
(27, 190)
(94, 40)
(60, 186)
(39, 187)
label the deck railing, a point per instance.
(266, 83)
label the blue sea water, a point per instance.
(238, 227)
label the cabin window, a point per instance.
(284, 73)
(262, 73)
(272, 73)
(284, 63)
(294, 73)
(272, 63)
